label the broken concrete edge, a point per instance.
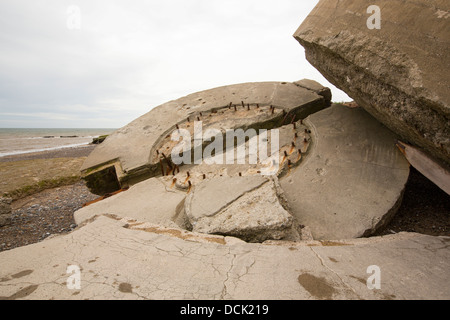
(436, 172)
(118, 178)
(134, 224)
(380, 224)
(317, 88)
(210, 220)
(386, 90)
(99, 139)
(103, 177)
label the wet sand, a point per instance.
(76, 152)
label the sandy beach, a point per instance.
(28, 173)
(50, 191)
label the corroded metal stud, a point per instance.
(292, 147)
(299, 154)
(284, 157)
(187, 177)
(293, 119)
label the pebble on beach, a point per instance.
(41, 215)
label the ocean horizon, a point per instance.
(15, 141)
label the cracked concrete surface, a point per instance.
(122, 258)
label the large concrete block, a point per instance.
(398, 73)
(351, 183)
(251, 208)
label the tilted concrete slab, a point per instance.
(352, 181)
(151, 201)
(130, 154)
(121, 259)
(215, 194)
(398, 71)
(251, 208)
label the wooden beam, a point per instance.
(425, 165)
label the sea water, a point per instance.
(22, 140)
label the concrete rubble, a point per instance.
(294, 224)
(250, 208)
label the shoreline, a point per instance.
(20, 152)
(67, 152)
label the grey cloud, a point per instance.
(129, 56)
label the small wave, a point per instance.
(12, 153)
(51, 137)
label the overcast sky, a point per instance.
(103, 63)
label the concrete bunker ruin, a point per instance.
(338, 173)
